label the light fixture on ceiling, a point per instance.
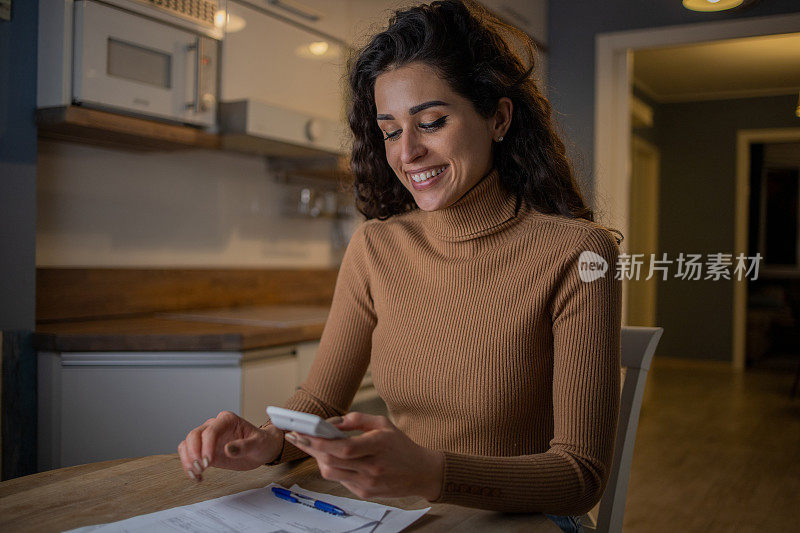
(318, 48)
(230, 24)
(711, 5)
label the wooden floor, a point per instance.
(715, 451)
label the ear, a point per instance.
(502, 118)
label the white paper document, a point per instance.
(394, 520)
(260, 510)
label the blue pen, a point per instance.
(294, 497)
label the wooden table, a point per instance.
(95, 493)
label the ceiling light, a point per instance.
(232, 24)
(319, 51)
(711, 5)
(318, 48)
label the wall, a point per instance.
(18, 41)
(198, 208)
(572, 28)
(646, 133)
(17, 166)
(697, 141)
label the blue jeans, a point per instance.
(568, 524)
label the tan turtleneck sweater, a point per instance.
(484, 343)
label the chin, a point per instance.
(432, 205)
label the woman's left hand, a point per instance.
(381, 462)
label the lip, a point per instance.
(418, 170)
(431, 182)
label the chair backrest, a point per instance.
(637, 346)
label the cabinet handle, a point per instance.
(198, 52)
(295, 10)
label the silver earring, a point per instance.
(499, 139)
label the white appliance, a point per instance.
(281, 84)
(152, 58)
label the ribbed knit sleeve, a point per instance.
(345, 346)
(570, 476)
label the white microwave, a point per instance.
(150, 58)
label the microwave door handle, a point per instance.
(195, 104)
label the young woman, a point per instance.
(498, 360)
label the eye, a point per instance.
(392, 136)
(427, 126)
(435, 125)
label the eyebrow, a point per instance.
(415, 109)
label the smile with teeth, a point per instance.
(425, 176)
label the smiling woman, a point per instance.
(462, 292)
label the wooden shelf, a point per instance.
(80, 124)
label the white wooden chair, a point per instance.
(638, 344)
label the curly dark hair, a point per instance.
(464, 44)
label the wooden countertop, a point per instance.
(234, 329)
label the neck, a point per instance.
(480, 211)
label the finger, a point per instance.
(186, 462)
(209, 436)
(194, 448)
(302, 442)
(363, 465)
(350, 448)
(364, 422)
(333, 473)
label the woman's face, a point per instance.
(436, 143)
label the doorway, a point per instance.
(613, 151)
(769, 167)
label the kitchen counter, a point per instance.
(231, 329)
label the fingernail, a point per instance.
(205, 462)
(191, 474)
(197, 467)
(290, 437)
(302, 440)
(233, 449)
(335, 420)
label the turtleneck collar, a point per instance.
(481, 211)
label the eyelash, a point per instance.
(429, 127)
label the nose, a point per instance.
(412, 147)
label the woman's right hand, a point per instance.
(228, 441)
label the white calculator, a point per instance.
(304, 423)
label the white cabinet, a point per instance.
(269, 377)
(329, 17)
(281, 64)
(344, 20)
(97, 406)
(101, 406)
